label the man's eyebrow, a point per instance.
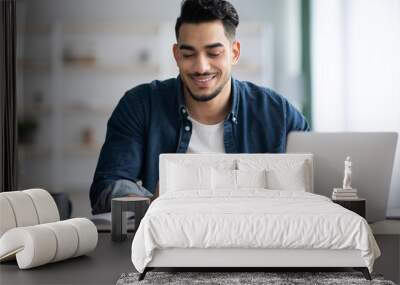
(187, 47)
(210, 46)
(214, 45)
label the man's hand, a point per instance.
(155, 195)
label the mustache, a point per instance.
(202, 74)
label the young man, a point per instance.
(202, 110)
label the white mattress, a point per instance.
(252, 218)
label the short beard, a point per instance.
(207, 98)
(204, 98)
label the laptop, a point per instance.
(372, 155)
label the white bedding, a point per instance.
(251, 218)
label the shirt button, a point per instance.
(187, 128)
(234, 119)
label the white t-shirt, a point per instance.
(206, 138)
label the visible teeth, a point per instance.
(204, 79)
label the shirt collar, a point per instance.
(235, 100)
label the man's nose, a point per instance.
(201, 64)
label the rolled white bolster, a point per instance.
(67, 240)
(23, 208)
(40, 244)
(87, 235)
(46, 208)
(7, 218)
(33, 246)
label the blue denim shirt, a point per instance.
(151, 119)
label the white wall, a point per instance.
(356, 71)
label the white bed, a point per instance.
(214, 211)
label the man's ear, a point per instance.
(175, 51)
(235, 51)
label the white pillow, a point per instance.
(224, 179)
(251, 178)
(181, 177)
(281, 174)
(289, 178)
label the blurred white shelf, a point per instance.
(74, 110)
(82, 109)
(112, 28)
(34, 30)
(30, 66)
(34, 66)
(81, 150)
(104, 27)
(112, 68)
(35, 152)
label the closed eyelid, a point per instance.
(216, 50)
(188, 53)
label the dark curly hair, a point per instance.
(200, 11)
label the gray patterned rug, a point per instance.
(243, 278)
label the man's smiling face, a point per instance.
(205, 57)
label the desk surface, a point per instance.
(102, 266)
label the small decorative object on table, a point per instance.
(347, 196)
(347, 192)
(119, 207)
